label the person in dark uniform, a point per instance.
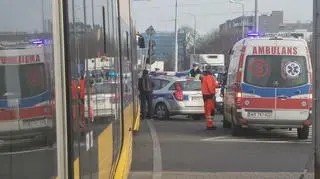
(145, 89)
(195, 70)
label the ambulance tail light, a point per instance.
(310, 97)
(238, 97)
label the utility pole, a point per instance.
(92, 9)
(316, 92)
(242, 5)
(194, 35)
(256, 16)
(242, 18)
(176, 39)
(43, 18)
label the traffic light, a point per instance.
(147, 60)
(141, 42)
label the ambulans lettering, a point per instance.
(274, 50)
(20, 59)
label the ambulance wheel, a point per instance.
(237, 130)
(303, 133)
(161, 111)
(226, 124)
(197, 117)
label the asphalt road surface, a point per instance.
(182, 148)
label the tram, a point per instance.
(107, 152)
(88, 123)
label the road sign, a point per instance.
(150, 31)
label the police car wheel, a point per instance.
(162, 112)
(303, 133)
(226, 124)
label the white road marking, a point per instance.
(87, 141)
(243, 140)
(157, 158)
(214, 138)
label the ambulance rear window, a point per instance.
(276, 71)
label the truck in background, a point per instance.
(216, 61)
(157, 66)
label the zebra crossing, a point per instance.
(276, 136)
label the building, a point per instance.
(164, 49)
(268, 23)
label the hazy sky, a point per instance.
(211, 13)
(25, 15)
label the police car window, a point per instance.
(163, 83)
(188, 85)
(287, 71)
(156, 84)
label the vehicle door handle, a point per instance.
(282, 97)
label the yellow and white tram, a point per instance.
(81, 144)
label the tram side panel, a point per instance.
(95, 106)
(127, 63)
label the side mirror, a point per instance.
(141, 42)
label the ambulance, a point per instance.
(269, 85)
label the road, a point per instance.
(182, 148)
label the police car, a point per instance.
(269, 85)
(168, 100)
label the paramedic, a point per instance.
(208, 87)
(145, 89)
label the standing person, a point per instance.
(145, 89)
(208, 88)
(195, 71)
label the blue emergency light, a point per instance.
(253, 34)
(37, 41)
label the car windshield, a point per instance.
(280, 71)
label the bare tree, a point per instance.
(218, 42)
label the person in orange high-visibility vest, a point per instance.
(208, 87)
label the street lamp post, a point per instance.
(256, 16)
(194, 31)
(242, 5)
(176, 38)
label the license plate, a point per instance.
(259, 115)
(196, 98)
(34, 123)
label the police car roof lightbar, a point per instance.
(253, 34)
(37, 41)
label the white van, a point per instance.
(269, 85)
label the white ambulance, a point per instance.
(269, 85)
